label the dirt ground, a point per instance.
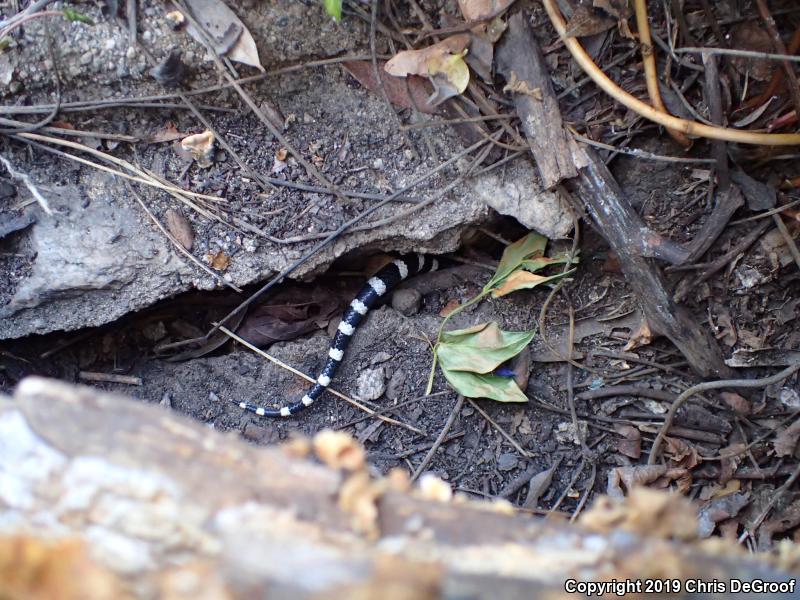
(491, 449)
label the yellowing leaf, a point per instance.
(415, 62)
(522, 280)
(531, 246)
(453, 68)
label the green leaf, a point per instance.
(333, 8)
(480, 349)
(531, 246)
(70, 14)
(473, 385)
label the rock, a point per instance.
(394, 389)
(517, 194)
(371, 384)
(407, 301)
(84, 259)
(507, 461)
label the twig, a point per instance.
(500, 430)
(736, 52)
(109, 378)
(645, 110)
(650, 72)
(20, 176)
(642, 153)
(780, 48)
(787, 237)
(712, 385)
(283, 365)
(440, 439)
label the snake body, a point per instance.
(384, 281)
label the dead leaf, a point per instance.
(739, 405)
(720, 509)
(168, 133)
(200, 147)
(230, 36)
(624, 479)
(645, 512)
(219, 261)
(786, 440)
(539, 484)
(681, 454)
(415, 62)
(179, 227)
(751, 35)
(291, 312)
(641, 337)
(476, 10)
(518, 280)
(449, 307)
(443, 63)
(413, 92)
(587, 20)
(630, 444)
(519, 86)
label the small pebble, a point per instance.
(407, 302)
(394, 389)
(508, 461)
(371, 384)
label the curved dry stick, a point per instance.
(647, 111)
(650, 71)
(712, 385)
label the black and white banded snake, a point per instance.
(385, 280)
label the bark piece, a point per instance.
(535, 102)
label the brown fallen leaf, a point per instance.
(443, 63)
(681, 454)
(449, 307)
(475, 10)
(519, 86)
(624, 479)
(230, 36)
(641, 337)
(411, 92)
(200, 146)
(630, 444)
(518, 280)
(751, 35)
(219, 260)
(168, 133)
(179, 227)
(415, 62)
(292, 312)
(720, 509)
(786, 441)
(539, 484)
(740, 405)
(588, 20)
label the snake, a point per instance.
(382, 283)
